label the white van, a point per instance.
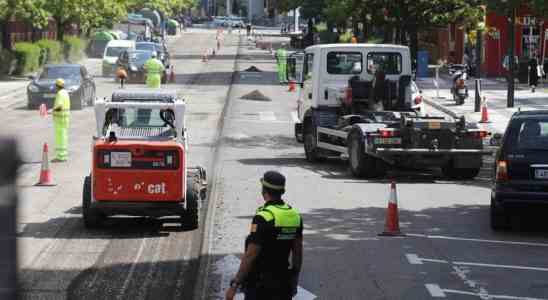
(112, 51)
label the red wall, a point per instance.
(496, 49)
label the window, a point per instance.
(115, 51)
(389, 63)
(67, 73)
(342, 63)
(134, 118)
(529, 134)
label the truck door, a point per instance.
(306, 94)
(337, 69)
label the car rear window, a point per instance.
(115, 51)
(528, 134)
(341, 63)
(388, 62)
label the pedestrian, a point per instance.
(276, 234)
(61, 121)
(354, 39)
(533, 74)
(281, 58)
(248, 29)
(154, 69)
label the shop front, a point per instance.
(530, 41)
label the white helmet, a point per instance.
(154, 54)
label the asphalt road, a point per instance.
(449, 251)
(130, 258)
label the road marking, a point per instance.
(228, 266)
(259, 121)
(122, 293)
(441, 237)
(437, 292)
(295, 117)
(414, 259)
(267, 116)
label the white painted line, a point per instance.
(267, 116)
(441, 237)
(122, 293)
(413, 259)
(295, 117)
(259, 121)
(439, 261)
(435, 290)
(462, 263)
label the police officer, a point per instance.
(61, 120)
(154, 68)
(276, 233)
(281, 57)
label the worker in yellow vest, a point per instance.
(154, 68)
(281, 58)
(61, 121)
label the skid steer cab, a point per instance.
(140, 160)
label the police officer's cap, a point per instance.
(273, 180)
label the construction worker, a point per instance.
(154, 69)
(61, 120)
(281, 57)
(276, 234)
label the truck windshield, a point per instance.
(389, 63)
(342, 63)
(528, 134)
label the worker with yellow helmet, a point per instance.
(61, 121)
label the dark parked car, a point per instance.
(521, 167)
(78, 82)
(133, 63)
(160, 49)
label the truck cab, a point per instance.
(328, 68)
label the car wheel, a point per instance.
(498, 218)
(309, 139)
(190, 218)
(92, 217)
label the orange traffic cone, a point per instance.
(172, 75)
(484, 112)
(392, 225)
(292, 86)
(45, 172)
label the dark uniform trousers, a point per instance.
(276, 225)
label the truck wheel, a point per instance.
(451, 172)
(299, 132)
(189, 220)
(357, 159)
(498, 219)
(92, 218)
(309, 137)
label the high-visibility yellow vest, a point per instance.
(62, 100)
(287, 220)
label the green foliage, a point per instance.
(28, 57)
(53, 52)
(30, 11)
(346, 37)
(74, 48)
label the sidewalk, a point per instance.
(496, 94)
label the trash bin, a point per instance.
(422, 63)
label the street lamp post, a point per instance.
(511, 62)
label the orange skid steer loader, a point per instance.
(140, 160)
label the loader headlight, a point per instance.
(133, 68)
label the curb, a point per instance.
(441, 108)
(204, 261)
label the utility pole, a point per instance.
(511, 62)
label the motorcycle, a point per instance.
(459, 89)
